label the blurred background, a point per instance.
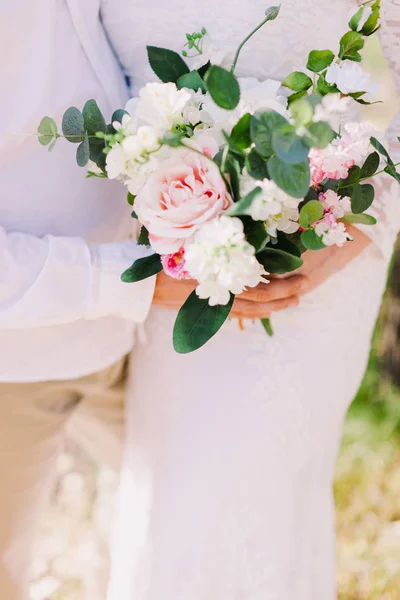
(72, 558)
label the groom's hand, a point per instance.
(255, 303)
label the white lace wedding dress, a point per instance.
(226, 486)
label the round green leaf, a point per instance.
(73, 126)
(82, 152)
(362, 198)
(292, 179)
(362, 219)
(223, 87)
(256, 165)
(278, 261)
(262, 126)
(142, 269)
(310, 213)
(311, 241)
(288, 146)
(297, 81)
(197, 322)
(166, 64)
(47, 131)
(319, 135)
(93, 119)
(318, 60)
(370, 166)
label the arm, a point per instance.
(54, 280)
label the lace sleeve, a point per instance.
(386, 207)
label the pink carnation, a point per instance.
(174, 265)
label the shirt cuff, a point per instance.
(110, 296)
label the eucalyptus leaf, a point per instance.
(142, 269)
(318, 60)
(311, 212)
(73, 126)
(350, 44)
(93, 118)
(319, 135)
(241, 207)
(47, 131)
(278, 261)
(166, 64)
(82, 152)
(311, 240)
(302, 111)
(197, 322)
(362, 219)
(262, 126)
(288, 146)
(292, 179)
(256, 165)
(118, 114)
(223, 87)
(192, 81)
(370, 165)
(297, 81)
(362, 198)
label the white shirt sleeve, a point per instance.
(54, 280)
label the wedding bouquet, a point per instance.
(233, 179)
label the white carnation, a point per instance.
(161, 105)
(222, 261)
(332, 234)
(349, 77)
(273, 206)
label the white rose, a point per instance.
(161, 105)
(349, 77)
(148, 137)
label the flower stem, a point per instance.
(266, 323)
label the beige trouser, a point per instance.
(33, 417)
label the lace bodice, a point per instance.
(279, 48)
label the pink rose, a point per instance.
(185, 192)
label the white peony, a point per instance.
(278, 210)
(222, 261)
(349, 77)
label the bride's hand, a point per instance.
(256, 303)
(320, 265)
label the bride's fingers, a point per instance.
(245, 309)
(275, 290)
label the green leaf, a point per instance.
(297, 81)
(371, 25)
(278, 261)
(73, 126)
(241, 207)
(311, 240)
(310, 213)
(166, 64)
(223, 87)
(143, 239)
(134, 215)
(82, 152)
(381, 149)
(232, 168)
(231, 144)
(172, 138)
(285, 242)
(262, 126)
(256, 165)
(292, 179)
(142, 269)
(47, 131)
(192, 81)
(197, 322)
(240, 134)
(319, 135)
(93, 119)
(117, 115)
(362, 198)
(365, 103)
(302, 111)
(318, 60)
(288, 146)
(390, 169)
(350, 44)
(255, 233)
(130, 198)
(370, 165)
(353, 177)
(266, 323)
(293, 97)
(362, 219)
(324, 88)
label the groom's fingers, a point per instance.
(277, 289)
(245, 309)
